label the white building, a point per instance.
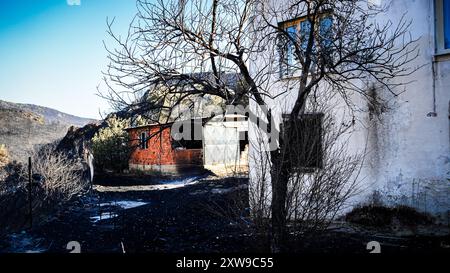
(408, 145)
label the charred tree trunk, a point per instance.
(279, 177)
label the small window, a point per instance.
(144, 141)
(288, 58)
(442, 26)
(299, 30)
(304, 140)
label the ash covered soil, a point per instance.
(199, 214)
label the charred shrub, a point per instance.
(373, 216)
(56, 180)
(411, 217)
(382, 216)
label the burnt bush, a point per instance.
(370, 216)
(411, 217)
(382, 216)
(15, 212)
(60, 181)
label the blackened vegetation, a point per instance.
(382, 217)
(77, 140)
(173, 221)
(211, 216)
(56, 179)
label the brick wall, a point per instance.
(160, 151)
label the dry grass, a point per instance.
(4, 156)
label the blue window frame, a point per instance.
(442, 13)
(326, 31)
(299, 30)
(446, 19)
(290, 54)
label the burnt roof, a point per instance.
(158, 124)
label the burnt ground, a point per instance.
(191, 215)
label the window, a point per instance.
(304, 140)
(194, 140)
(288, 58)
(299, 30)
(287, 54)
(143, 141)
(442, 26)
(243, 140)
(305, 29)
(326, 24)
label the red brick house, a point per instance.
(221, 148)
(155, 150)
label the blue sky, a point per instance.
(52, 54)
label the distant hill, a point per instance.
(22, 126)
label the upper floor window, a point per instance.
(288, 58)
(298, 31)
(442, 26)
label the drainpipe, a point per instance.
(433, 114)
(433, 73)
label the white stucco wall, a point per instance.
(408, 146)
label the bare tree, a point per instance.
(177, 50)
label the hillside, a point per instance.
(22, 126)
